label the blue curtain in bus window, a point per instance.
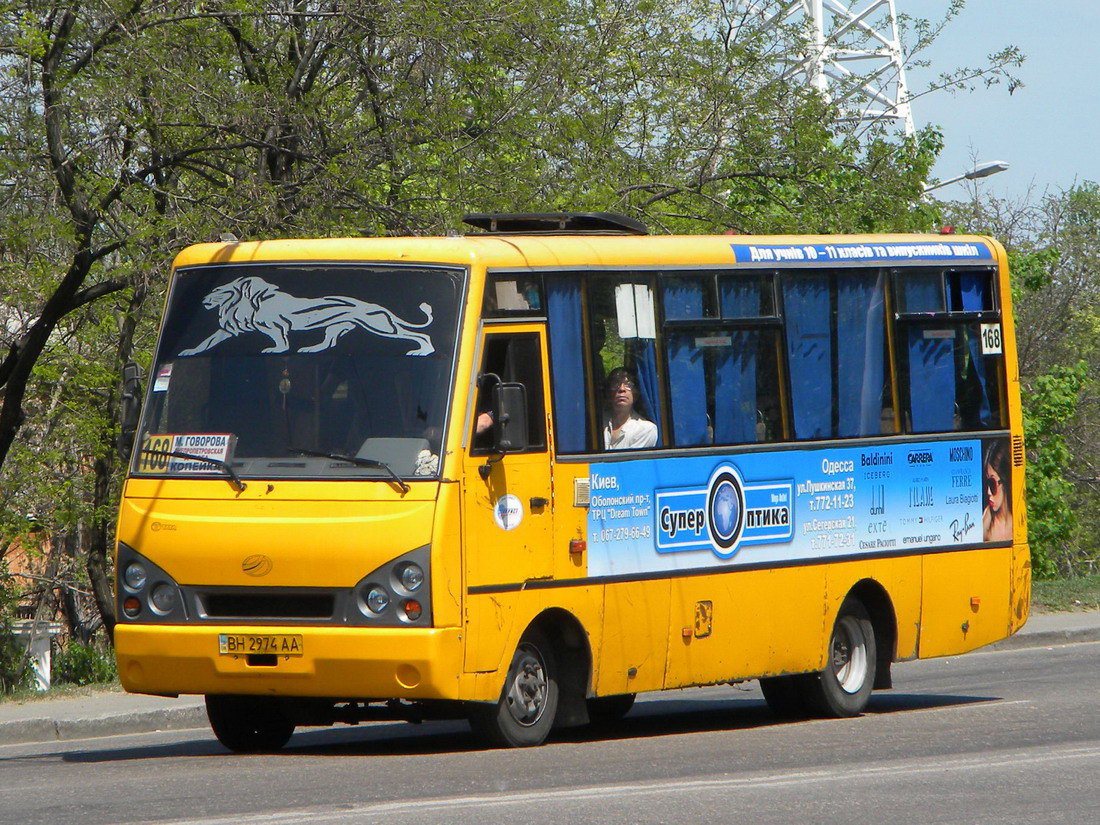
(974, 288)
(809, 353)
(922, 291)
(932, 379)
(688, 387)
(735, 412)
(644, 352)
(567, 362)
(740, 297)
(861, 335)
(683, 300)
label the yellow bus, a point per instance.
(522, 475)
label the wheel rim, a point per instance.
(528, 690)
(849, 655)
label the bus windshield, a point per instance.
(285, 370)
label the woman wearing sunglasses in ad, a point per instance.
(997, 517)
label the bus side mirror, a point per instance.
(510, 426)
(131, 406)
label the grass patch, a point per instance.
(1061, 595)
(59, 691)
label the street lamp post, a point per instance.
(982, 170)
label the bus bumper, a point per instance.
(351, 663)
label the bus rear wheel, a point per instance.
(844, 687)
(248, 724)
(524, 714)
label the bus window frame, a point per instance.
(903, 321)
(720, 321)
(526, 326)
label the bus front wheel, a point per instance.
(248, 724)
(524, 714)
(844, 686)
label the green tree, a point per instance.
(129, 129)
(1053, 256)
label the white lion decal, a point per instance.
(251, 304)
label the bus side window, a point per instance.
(565, 323)
(837, 353)
(511, 357)
(723, 374)
(951, 382)
(623, 334)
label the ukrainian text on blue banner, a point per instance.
(886, 252)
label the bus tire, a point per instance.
(524, 714)
(607, 710)
(248, 724)
(785, 696)
(844, 686)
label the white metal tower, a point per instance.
(853, 53)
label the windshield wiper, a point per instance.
(234, 479)
(352, 459)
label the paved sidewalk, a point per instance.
(110, 713)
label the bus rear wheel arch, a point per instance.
(843, 687)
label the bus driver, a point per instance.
(625, 429)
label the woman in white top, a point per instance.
(625, 429)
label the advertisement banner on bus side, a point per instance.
(879, 252)
(690, 512)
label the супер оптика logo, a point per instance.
(725, 514)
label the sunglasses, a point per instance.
(992, 485)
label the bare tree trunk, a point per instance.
(99, 535)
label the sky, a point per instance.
(1047, 130)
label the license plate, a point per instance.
(244, 644)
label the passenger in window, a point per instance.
(625, 428)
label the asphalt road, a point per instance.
(998, 737)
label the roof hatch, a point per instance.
(556, 223)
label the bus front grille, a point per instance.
(268, 605)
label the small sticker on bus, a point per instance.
(508, 512)
(991, 339)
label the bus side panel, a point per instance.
(746, 624)
(900, 578)
(489, 620)
(1021, 586)
(634, 638)
(447, 558)
(965, 600)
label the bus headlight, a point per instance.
(135, 576)
(377, 599)
(146, 593)
(163, 599)
(411, 576)
(397, 593)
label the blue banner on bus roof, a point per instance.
(873, 253)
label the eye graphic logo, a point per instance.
(725, 511)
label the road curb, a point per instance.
(21, 731)
(1047, 638)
